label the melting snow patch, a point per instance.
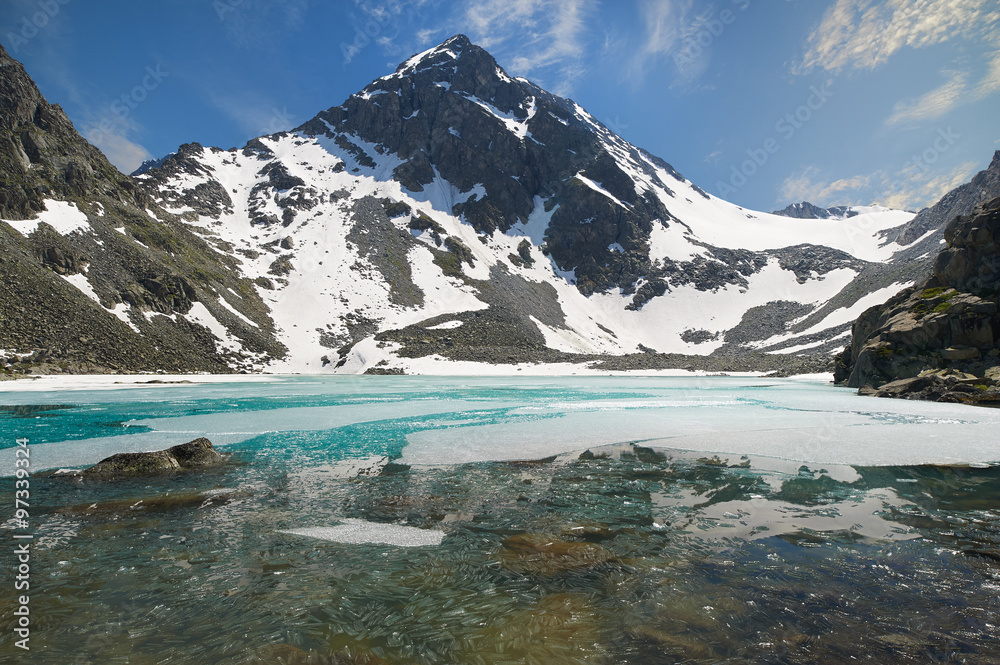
(447, 325)
(120, 312)
(81, 282)
(200, 314)
(598, 188)
(222, 301)
(358, 532)
(63, 216)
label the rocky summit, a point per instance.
(446, 213)
(941, 339)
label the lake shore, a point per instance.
(58, 382)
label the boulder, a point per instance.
(954, 387)
(960, 354)
(194, 454)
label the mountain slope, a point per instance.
(509, 210)
(450, 211)
(94, 275)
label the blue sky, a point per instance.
(762, 102)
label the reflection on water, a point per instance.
(621, 554)
(356, 523)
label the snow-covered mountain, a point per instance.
(806, 210)
(449, 212)
(447, 202)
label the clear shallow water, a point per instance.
(780, 536)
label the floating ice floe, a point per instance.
(358, 532)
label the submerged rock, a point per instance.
(540, 554)
(193, 454)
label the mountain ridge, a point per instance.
(449, 213)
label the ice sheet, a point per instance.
(357, 532)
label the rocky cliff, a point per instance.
(93, 272)
(946, 326)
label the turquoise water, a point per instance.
(460, 520)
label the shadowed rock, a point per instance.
(194, 454)
(950, 323)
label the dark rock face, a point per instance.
(450, 113)
(952, 321)
(194, 454)
(131, 251)
(42, 156)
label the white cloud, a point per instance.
(670, 30)
(426, 35)
(663, 24)
(910, 188)
(120, 151)
(861, 34)
(844, 191)
(254, 113)
(934, 104)
(534, 34)
(921, 189)
(991, 82)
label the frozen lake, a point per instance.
(511, 520)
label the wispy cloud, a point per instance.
(665, 22)
(535, 35)
(256, 24)
(934, 104)
(426, 35)
(910, 188)
(803, 187)
(253, 112)
(125, 154)
(922, 189)
(991, 82)
(861, 34)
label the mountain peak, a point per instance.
(447, 52)
(459, 41)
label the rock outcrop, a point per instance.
(120, 289)
(948, 324)
(193, 454)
